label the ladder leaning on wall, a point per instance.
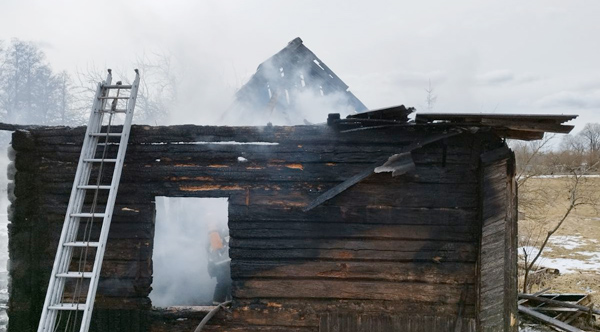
(72, 288)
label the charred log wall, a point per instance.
(388, 253)
(498, 261)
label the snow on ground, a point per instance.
(589, 262)
(567, 242)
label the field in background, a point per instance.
(574, 249)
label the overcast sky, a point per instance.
(481, 56)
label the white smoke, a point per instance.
(180, 256)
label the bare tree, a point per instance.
(582, 191)
(30, 92)
(537, 159)
(430, 98)
(531, 163)
(157, 92)
(591, 133)
(529, 157)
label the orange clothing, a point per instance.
(215, 241)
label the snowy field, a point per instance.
(576, 260)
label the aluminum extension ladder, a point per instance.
(74, 278)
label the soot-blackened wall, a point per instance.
(390, 253)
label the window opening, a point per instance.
(191, 252)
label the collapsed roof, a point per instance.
(295, 73)
(525, 127)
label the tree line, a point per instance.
(555, 155)
(32, 92)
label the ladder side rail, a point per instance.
(71, 224)
(90, 147)
(88, 150)
(55, 290)
(110, 204)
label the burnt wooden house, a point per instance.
(369, 223)
(284, 80)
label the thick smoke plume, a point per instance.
(181, 248)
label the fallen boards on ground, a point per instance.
(558, 310)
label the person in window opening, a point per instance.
(219, 263)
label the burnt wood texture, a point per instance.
(390, 253)
(498, 247)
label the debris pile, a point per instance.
(563, 312)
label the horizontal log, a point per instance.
(339, 152)
(212, 173)
(352, 214)
(259, 328)
(376, 322)
(446, 253)
(184, 133)
(112, 269)
(301, 312)
(337, 230)
(116, 287)
(428, 272)
(345, 289)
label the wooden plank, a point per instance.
(548, 320)
(337, 230)
(476, 117)
(377, 322)
(381, 245)
(468, 254)
(331, 193)
(352, 214)
(344, 289)
(559, 303)
(427, 272)
(193, 133)
(304, 306)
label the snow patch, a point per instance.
(567, 242)
(566, 265)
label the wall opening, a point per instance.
(191, 265)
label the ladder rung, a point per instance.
(117, 86)
(88, 215)
(114, 111)
(105, 134)
(91, 186)
(113, 97)
(81, 244)
(75, 275)
(67, 306)
(100, 160)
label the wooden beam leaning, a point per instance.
(559, 303)
(549, 320)
(331, 193)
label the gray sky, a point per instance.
(481, 56)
